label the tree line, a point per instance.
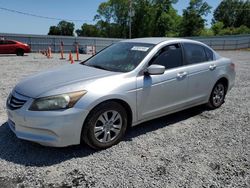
(158, 18)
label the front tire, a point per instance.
(19, 52)
(105, 126)
(217, 96)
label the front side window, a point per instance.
(194, 53)
(169, 56)
(120, 57)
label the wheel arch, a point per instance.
(119, 101)
(19, 50)
(223, 80)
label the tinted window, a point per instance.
(10, 42)
(209, 53)
(169, 56)
(6, 42)
(194, 53)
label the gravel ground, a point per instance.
(192, 148)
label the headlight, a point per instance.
(57, 102)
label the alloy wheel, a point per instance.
(108, 126)
(218, 94)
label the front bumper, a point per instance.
(48, 128)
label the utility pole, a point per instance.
(130, 19)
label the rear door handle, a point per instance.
(181, 75)
(212, 67)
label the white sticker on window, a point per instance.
(140, 48)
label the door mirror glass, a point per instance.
(155, 70)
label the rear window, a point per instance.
(194, 53)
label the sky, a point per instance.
(83, 10)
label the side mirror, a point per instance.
(155, 70)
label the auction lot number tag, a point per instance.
(140, 48)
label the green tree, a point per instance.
(233, 13)
(114, 14)
(141, 21)
(63, 28)
(242, 30)
(192, 21)
(54, 30)
(66, 28)
(155, 18)
(88, 30)
(217, 27)
(164, 17)
(207, 32)
(149, 18)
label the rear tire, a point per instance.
(217, 96)
(19, 52)
(105, 126)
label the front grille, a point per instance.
(16, 101)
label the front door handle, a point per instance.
(212, 67)
(181, 75)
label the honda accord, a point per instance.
(125, 84)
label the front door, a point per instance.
(160, 94)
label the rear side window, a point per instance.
(6, 42)
(209, 53)
(170, 56)
(194, 53)
(10, 42)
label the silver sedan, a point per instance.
(128, 83)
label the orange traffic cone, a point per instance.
(77, 52)
(70, 56)
(71, 59)
(49, 53)
(61, 51)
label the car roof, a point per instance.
(8, 40)
(157, 40)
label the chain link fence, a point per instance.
(232, 42)
(42, 42)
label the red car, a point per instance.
(13, 47)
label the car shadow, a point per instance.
(12, 55)
(164, 121)
(28, 153)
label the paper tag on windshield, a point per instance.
(140, 48)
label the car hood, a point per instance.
(38, 84)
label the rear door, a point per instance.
(159, 94)
(10, 47)
(201, 71)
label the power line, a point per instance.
(43, 17)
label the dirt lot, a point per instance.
(193, 148)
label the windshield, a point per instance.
(120, 57)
